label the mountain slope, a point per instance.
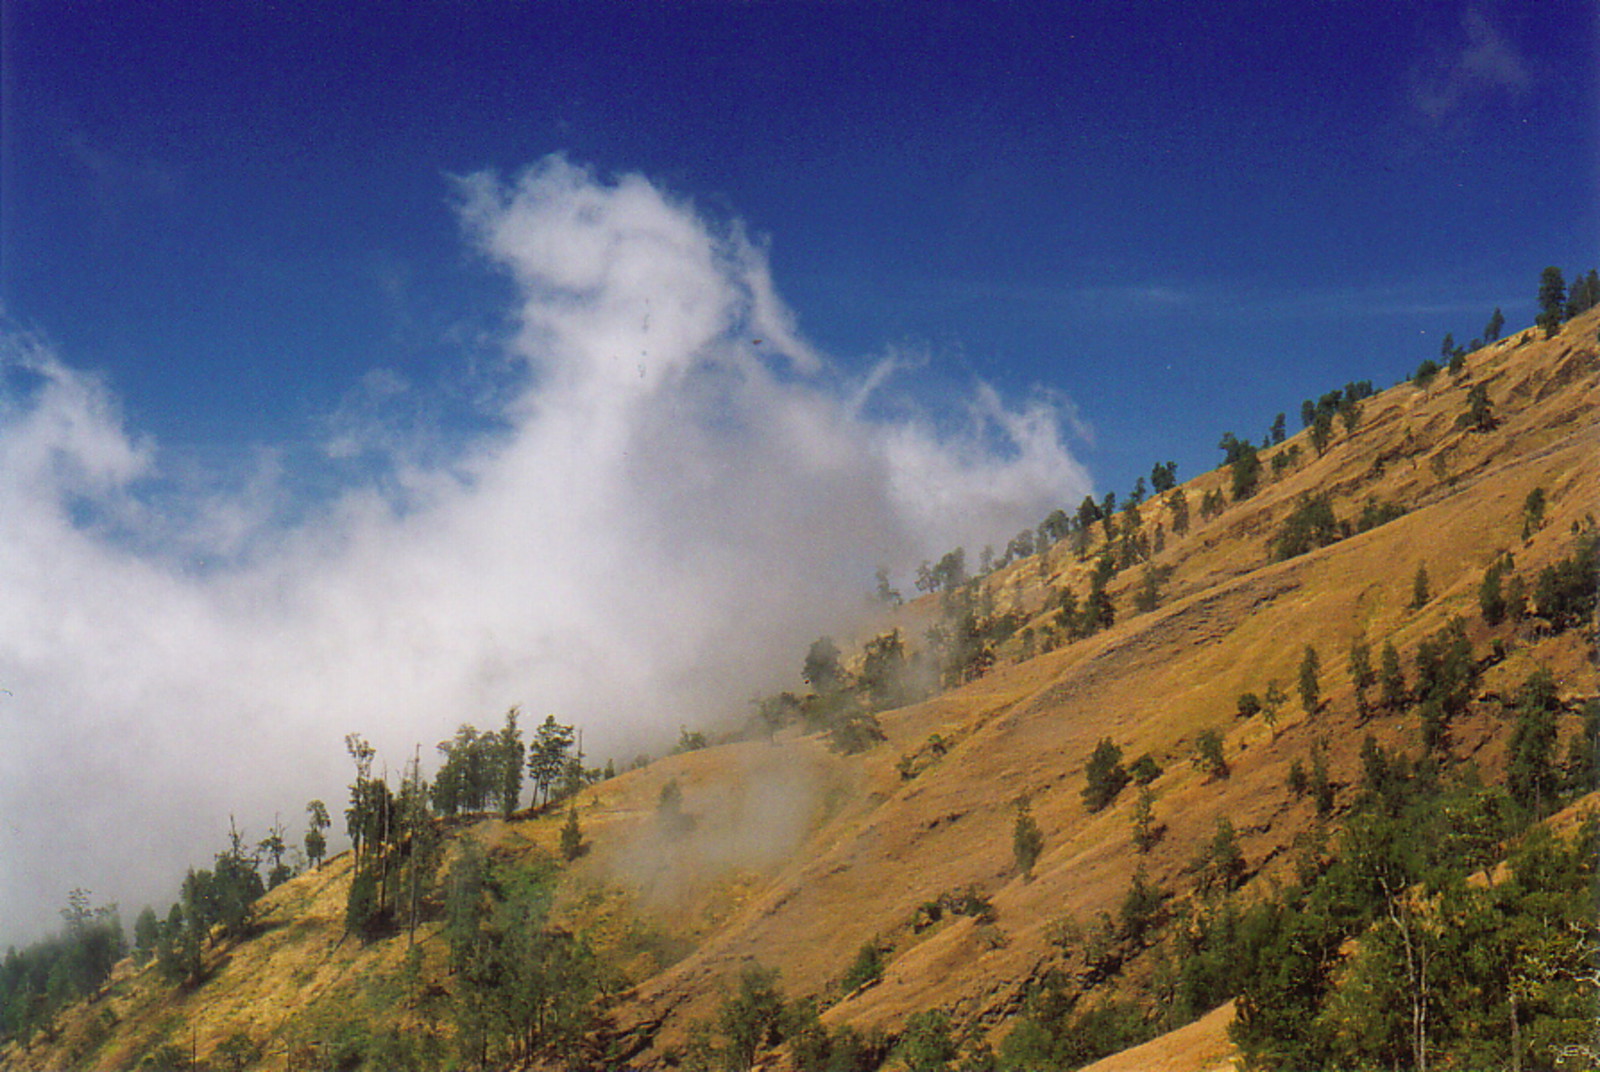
(798, 856)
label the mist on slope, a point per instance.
(682, 494)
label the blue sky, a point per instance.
(374, 374)
(1183, 220)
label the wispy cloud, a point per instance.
(667, 512)
(1485, 62)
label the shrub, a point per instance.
(1106, 775)
(1208, 755)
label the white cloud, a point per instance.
(1484, 62)
(684, 495)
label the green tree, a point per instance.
(1419, 587)
(1391, 679)
(1209, 755)
(1027, 840)
(146, 936)
(1105, 775)
(926, 1044)
(1310, 687)
(1362, 675)
(1146, 831)
(548, 755)
(1178, 503)
(316, 823)
(512, 751)
(1552, 300)
(1531, 771)
(822, 669)
(752, 1019)
(1497, 323)
(1279, 430)
(1480, 412)
(571, 836)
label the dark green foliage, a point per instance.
(865, 970)
(883, 672)
(1278, 432)
(1212, 503)
(524, 991)
(967, 901)
(1164, 477)
(1392, 691)
(1105, 775)
(146, 936)
(316, 823)
(472, 776)
(1312, 524)
(1565, 593)
(1027, 840)
(1221, 863)
(1244, 466)
(1447, 678)
(926, 1045)
(1395, 881)
(1496, 324)
(1532, 776)
(855, 731)
(751, 1019)
(238, 1051)
(945, 576)
(511, 752)
(1491, 591)
(1209, 757)
(822, 669)
(41, 978)
(1585, 293)
(1178, 503)
(1533, 512)
(571, 837)
(1362, 675)
(1058, 1031)
(1552, 300)
(1319, 781)
(1146, 831)
(1145, 769)
(1419, 587)
(1425, 373)
(1309, 683)
(1375, 513)
(550, 758)
(1148, 594)
(1142, 910)
(1480, 412)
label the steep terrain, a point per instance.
(799, 856)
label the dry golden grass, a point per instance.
(800, 856)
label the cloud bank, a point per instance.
(682, 494)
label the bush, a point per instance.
(1105, 774)
(1312, 524)
(1208, 755)
(865, 970)
(1145, 769)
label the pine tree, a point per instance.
(1496, 324)
(1552, 300)
(1310, 687)
(1391, 679)
(571, 836)
(1027, 840)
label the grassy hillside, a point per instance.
(798, 857)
